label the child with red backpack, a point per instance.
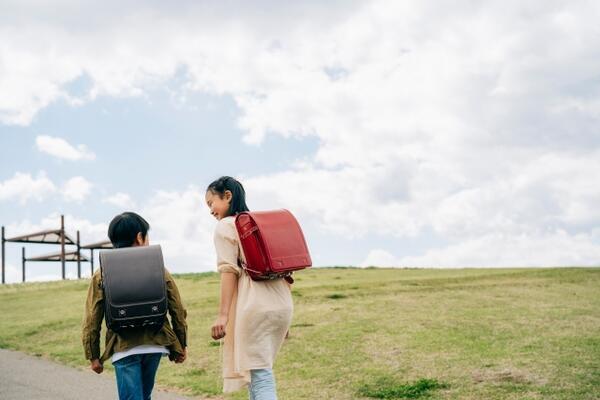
(254, 315)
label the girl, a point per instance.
(254, 316)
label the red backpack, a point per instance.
(273, 244)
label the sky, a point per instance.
(404, 134)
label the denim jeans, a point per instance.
(262, 385)
(135, 375)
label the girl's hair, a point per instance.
(123, 229)
(238, 194)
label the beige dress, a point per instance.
(259, 317)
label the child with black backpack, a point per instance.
(135, 352)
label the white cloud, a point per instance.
(76, 189)
(539, 249)
(12, 273)
(60, 148)
(181, 223)
(121, 200)
(351, 202)
(23, 187)
(483, 130)
(380, 258)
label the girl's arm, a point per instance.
(228, 254)
(228, 287)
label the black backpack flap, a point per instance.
(134, 286)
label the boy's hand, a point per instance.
(97, 366)
(181, 357)
(218, 328)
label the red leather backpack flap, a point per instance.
(282, 240)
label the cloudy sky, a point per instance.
(409, 133)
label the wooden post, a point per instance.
(92, 261)
(62, 245)
(3, 258)
(23, 261)
(78, 257)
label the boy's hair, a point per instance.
(123, 229)
(238, 194)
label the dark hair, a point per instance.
(123, 229)
(238, 194)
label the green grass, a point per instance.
(336, 296)
(373, 333)
(388, 388)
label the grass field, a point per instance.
(373, 333)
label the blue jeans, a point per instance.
(262, 385)
(135, 375)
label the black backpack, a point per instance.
(135, 294)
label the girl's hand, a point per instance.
(218, 328)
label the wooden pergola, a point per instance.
(69, 256)
(96, 246)
(54, 237)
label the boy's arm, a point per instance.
(177, 311)
(92, 321)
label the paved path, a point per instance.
(23, 377)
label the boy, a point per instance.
(135, 353)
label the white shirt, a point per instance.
(143, 349)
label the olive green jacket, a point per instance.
(173, 338)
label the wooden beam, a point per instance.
(92, 262)
(24, 237)
(62, 245)
(23, 262)
(78, 257)
(3, 257)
